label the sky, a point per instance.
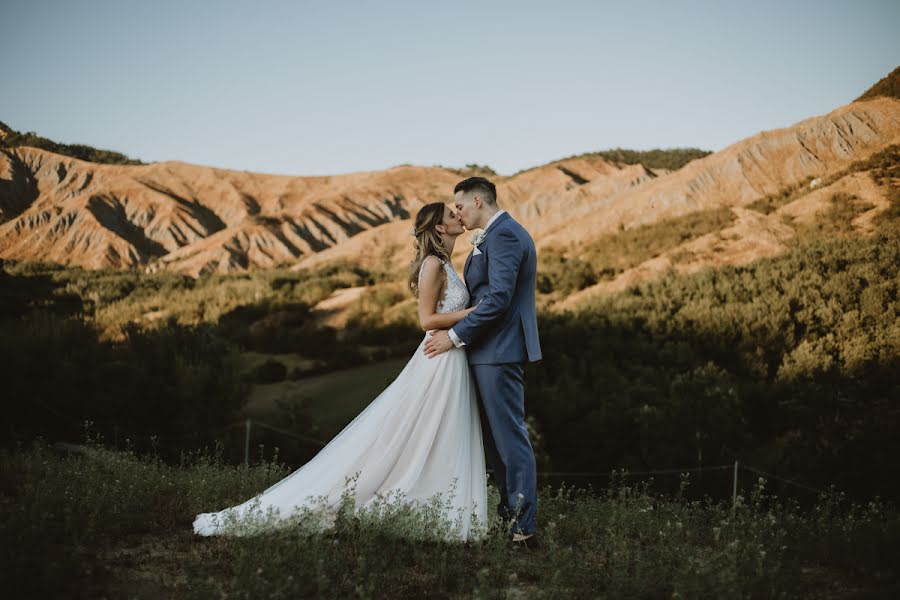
(329, 87)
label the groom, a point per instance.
(500, 336)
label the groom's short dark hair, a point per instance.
(480, 185)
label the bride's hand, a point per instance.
(472, 309)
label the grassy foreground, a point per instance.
(104, 523)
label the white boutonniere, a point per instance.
(476, 240)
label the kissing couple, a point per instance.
(458, 403)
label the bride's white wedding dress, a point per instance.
(421, 437)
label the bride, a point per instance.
(419, 440)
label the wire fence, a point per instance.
(249, 424)
(206, 433)
(736, 468)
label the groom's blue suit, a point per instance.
(500, 336)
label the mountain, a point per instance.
(818, 148)
(195, 219)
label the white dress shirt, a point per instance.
(453, 337)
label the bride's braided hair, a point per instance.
(428, 242)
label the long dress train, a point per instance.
(420, 439)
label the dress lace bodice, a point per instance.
(456, 296)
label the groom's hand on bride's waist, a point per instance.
(438, 343)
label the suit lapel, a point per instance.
(466, 268)
(483, 245)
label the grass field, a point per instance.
(333, 398)
(102, 523)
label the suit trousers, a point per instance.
(507, 447)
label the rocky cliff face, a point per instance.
(749, 169)
(816, 149)
(196, 219)
(190, 218)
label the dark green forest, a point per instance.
(15, 139)
(791, 363)
(670, 159)
(888, 86)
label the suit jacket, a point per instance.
(503, 329)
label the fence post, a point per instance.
(734, 486)
(247, 443)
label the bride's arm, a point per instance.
(429, 286)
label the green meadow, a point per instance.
(102, 523)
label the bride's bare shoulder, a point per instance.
(431, 264)
(431, 273)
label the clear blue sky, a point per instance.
(329, 87)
